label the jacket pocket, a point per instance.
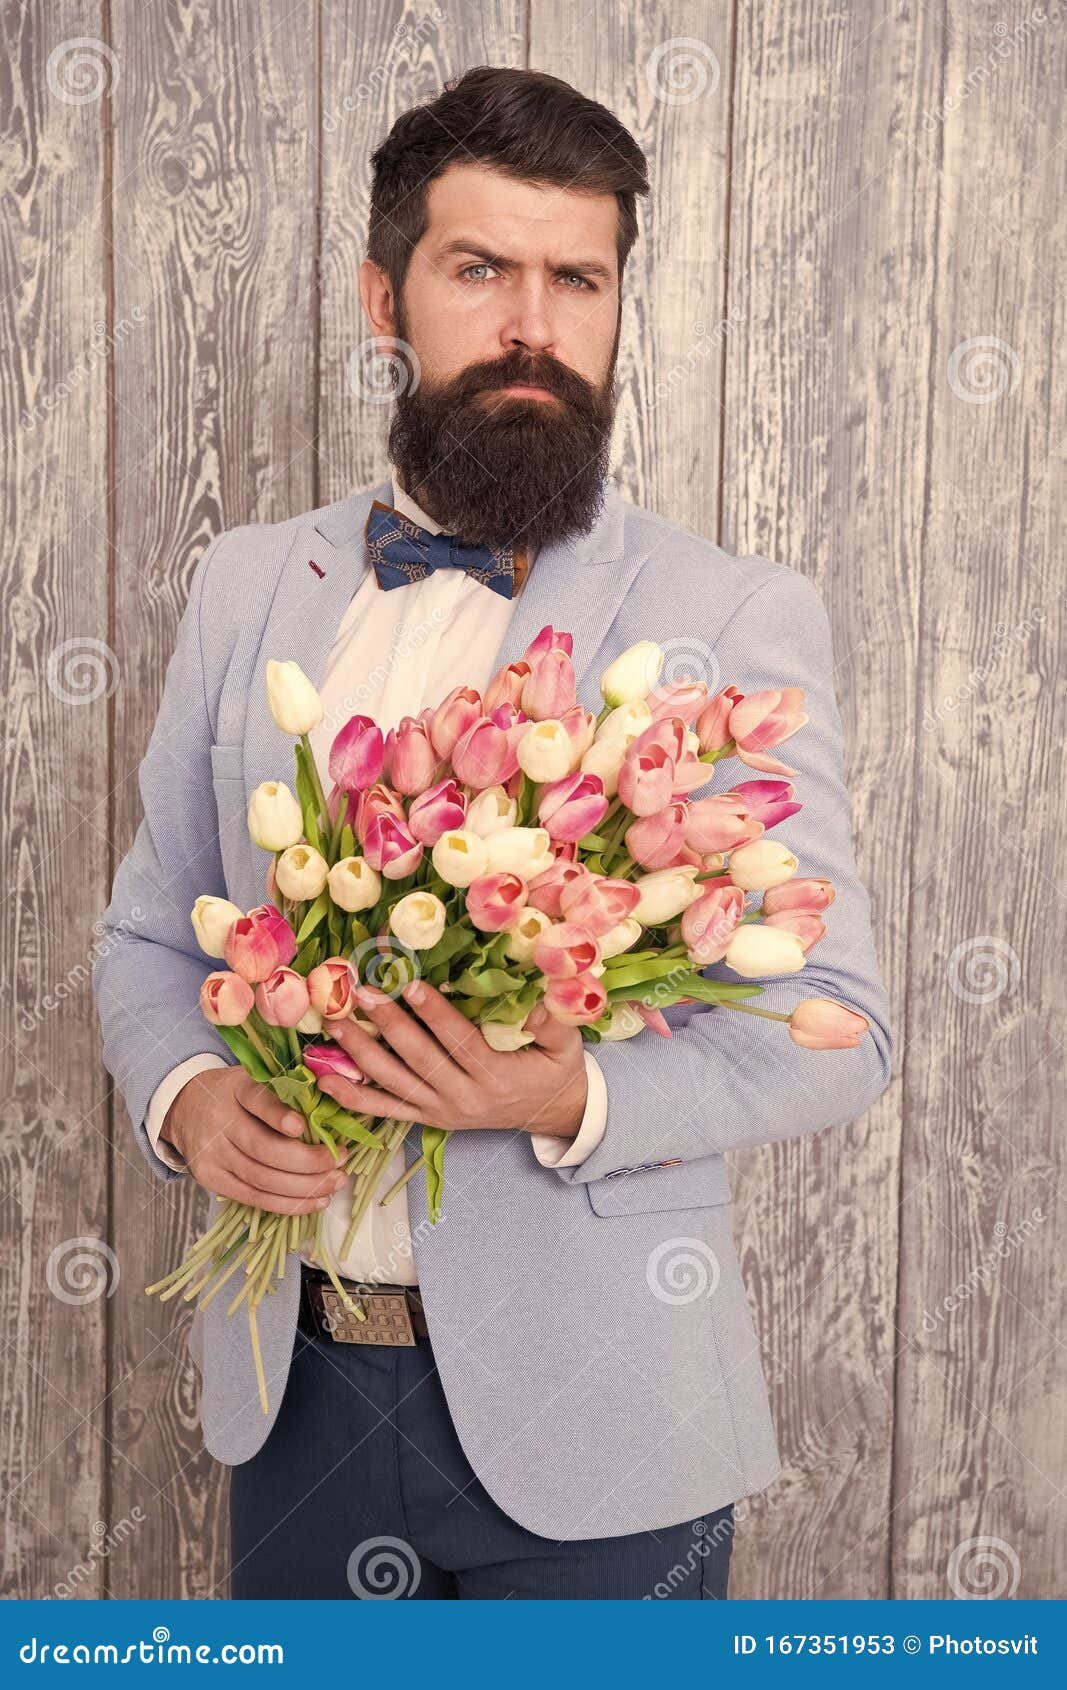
(228, 762)
(231, 803)
(686, 1185)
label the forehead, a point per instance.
(526, 221)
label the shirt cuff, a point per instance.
(161, 1100)
(554, 1152)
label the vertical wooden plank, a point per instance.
(214, 214)
(664, 70)
(831, 262)
(376, 62)
(983, 1371)
(59, 673)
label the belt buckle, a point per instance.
(388, 1316)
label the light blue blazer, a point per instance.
(589, 1323)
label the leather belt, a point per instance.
(393, 1314)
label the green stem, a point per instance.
(320, 796)
(750, 1009)
(254, 1039)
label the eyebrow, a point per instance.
(583, 267)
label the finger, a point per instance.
(550, 1034)
(293, 1156)
(260, 1100)
(225, 1184)
(407, 1036)
(451, 1030)
(276, 1182)
(386, 1069)
(366, 1100)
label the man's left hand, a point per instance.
(432, 1065)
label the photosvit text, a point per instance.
(841, 1643)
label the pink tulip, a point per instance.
(577, 1002)
(565, 950)
(485, 756)
(720, 823)
(581, 727)
(331, 1062)
(572, 807)
(226, 999)
(822, 1024)
(440, 809)
(282, 999)
(813, 895)
(546, 892)
(646, 779)
(506, 686)
(713, 724)
(453, 716)
(331, 987)
(356, 754)
(710, 922)
(549, 639)
(656, 841)
(549, 690)
(595, 902)
(495, 900)
(763, 720)
(391, 847)
(770, 801)
(410, 759)
(376, 801)
(260, 942)
(683, 699)
(808, 927)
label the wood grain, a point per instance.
(840, 349)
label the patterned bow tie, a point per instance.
(402, 552)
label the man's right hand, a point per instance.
(241, 1141)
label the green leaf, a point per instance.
(593, 842)
(433, 1148)
(452, 942)
(305, 794)
(246, 1053)
(489, 982)
(320, 908)
(307, 957)
(346, 845)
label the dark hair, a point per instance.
(527, 125)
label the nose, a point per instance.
(529, 324)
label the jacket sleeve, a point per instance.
(725, 1080)
(148, 967)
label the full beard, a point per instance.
(500, 470)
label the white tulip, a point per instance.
(628, 720)
(519, 850)
(546, 751)
(212, 919)
(633, 674)
(624, 1023)
(621, 937)
(605, 758)
(756, 949)
(274, 818)
(300, 873)
(504, 1035)
(490, 811)
(762, 863)
(294, 703)
(460, 856)
(523, 936)
(354, 885)
(418, 920)
(665, 893)
(310, 1022)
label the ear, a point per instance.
(376, 293)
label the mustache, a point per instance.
(537, 370)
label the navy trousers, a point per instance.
(362, 1490)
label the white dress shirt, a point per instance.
(395, 653)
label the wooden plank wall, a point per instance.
(841, 347)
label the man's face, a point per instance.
(511, 305)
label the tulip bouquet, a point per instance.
(514, 850)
